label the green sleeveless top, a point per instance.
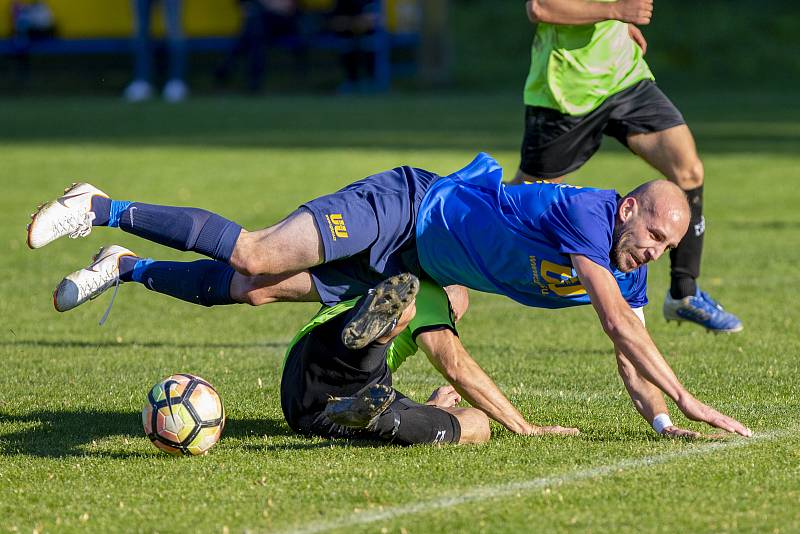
(575, 68)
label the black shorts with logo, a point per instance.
(555, 144)
(320, 366)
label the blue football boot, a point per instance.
(703, 310)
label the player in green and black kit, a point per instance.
(337, 377)
(588, 77)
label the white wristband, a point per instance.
(660, 422)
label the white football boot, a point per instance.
(71, 214)
(88, 283)
(138, 91)
(175, 91)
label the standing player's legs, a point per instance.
(648, 123)
(673, 153)
(555, 144)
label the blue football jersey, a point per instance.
(475, 231)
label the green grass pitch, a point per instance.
(72, 453)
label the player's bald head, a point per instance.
(662, 198)
(650, 219)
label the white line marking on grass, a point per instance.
(499, 491)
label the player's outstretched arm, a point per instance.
(649, 402)
(631, 338)
(451, 359)
(588, 12)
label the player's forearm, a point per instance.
(647, 398)
(569, 12)
(481, 392)
(624, 329)
(454, 363)
(631, 338)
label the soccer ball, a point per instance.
(183, 415)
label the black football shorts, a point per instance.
(319, 366)
(555, 144)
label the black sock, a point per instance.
(686, 257)
(406, 422)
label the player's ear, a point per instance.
(628, 208)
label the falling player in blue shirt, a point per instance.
(544, 245)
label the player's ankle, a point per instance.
(683, 287)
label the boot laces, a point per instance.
(74, 225)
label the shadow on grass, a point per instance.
(145, 344)
(267, 427)
(59, 434)
(63, 434)
(320, 445)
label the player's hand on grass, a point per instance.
(444, 397)
(697, 411)
(534, 430)
(634, 11)
(638, 37)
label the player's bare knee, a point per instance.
(407, 316)
(256, 298)
(241, 257)
(239, 288)
(483, 431)
(260, 266)
(254, 254)
(474, 425)
(691, 176)
(246, 290)
(258, 258)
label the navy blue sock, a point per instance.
(106, 211)
(182, 228)
(101, 207)
(204, 282)
(126, 266)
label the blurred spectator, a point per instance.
(356, 20)
(31, 22)
(263, 22)
(436, 48)
(141, 88)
